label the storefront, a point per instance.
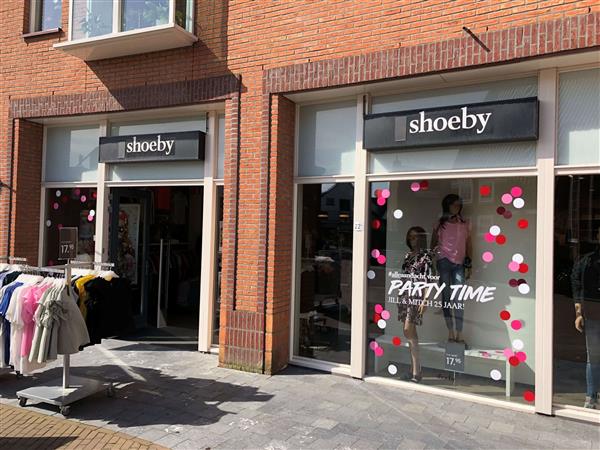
(145, 191)
(447, 232)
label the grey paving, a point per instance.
(180, 399)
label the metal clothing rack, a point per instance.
(63, 391)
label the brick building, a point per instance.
(286, 231)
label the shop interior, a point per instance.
(157, 247)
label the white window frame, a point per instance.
(117, 16)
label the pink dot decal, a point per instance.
(386, 193)
(396, 341)
(516, 191)
(379, 352)
(485, 190)
(415, 187)
(375, 253)
(373, 345)
(90, 218)
(513, 266)
(77, 191)
(507, 215)
(83, 199)
(501, 210)
(55, 205)
(529, 396)
(378, 308)
(523, 223)
(521, 356)
(489, 237)
(381, 259)
(506, 199)
(508, 352)
(380, 201)
(504, 315)
(516, 324)
(487, 257)
(385, 314)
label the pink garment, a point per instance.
(452, 241)
(30, 305)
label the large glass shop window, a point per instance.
(325, 272)
(70, 207)
(577, 291)
(451, 284)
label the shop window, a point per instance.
(217, 295)
(579, 117)
(577, 291)
(72, 153)
(176, 170)
(324, 300)
(451, 280)
(70, 207)
(327, 139)
(514, 154)
(45, 15)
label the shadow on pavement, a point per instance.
(23, 443)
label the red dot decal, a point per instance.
(507, 215)
(376, 224)
(504, 315)
(377, 193)
(501, 210)
(424, 185)
(523, 268)
(376, 317)
(485, 190)
(529, 396)
(523, 223)
(500, 239)
(513, 360)
(396, 341)
(521, 281)
(513, 283)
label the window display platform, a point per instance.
(478, 362)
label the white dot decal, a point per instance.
(92, 213)
(518, 203)
(381, 323)
(371, 275)
(48, 223)
(398, 214)
(518, 258)
(58, 193)
(495, 374)
(392, 369)
(524, 288)
(495, 230)
(518, 344)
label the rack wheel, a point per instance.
(65, 410)
(110, 391)
(22, 401)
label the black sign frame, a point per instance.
(515, 120)
(176, 146)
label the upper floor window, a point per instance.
(45, 14)
(92, 18)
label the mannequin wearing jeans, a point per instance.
(451, 241)
(585, 280)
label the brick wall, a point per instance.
(274, 47)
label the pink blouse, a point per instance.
(452, 241)
(30, 305)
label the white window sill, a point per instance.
(144, 40)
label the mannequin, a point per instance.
(451, 242)
(585, 280)
(418, 261)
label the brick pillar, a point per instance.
(27, 175)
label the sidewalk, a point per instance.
(181, 400)
(24, 429)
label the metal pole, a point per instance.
(160, 264)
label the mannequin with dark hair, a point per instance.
(417, 262)
(451, 241)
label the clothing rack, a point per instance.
(13, 260)
(63, 392)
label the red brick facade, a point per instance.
(248, 54)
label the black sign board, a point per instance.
(182, 146)
(455, 357)
(67, 243)
(501, 121)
